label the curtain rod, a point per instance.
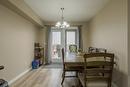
(72, 25)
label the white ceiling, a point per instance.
(75, 10)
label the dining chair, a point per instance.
(3, 83)
(93, 77)
(91, 49)
(101, 50)
(68, 68)
(96, 50)
(73, 48)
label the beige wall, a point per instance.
(20, 4)
(129, 41)
(85, 36)
(42, 36)
(20, 7)
(17, 37)
(108, 29)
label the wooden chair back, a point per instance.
(104, 69)
(1, 67)
(96, 50)
(91, 49)
(73, 48)
(63, 57)
(101, 50)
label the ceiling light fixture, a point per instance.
(62, 23)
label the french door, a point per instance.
(70, 39)
(56, 45)
(62, 38)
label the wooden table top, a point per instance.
(74, 58)
(78, 61)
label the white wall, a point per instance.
(108, 29)
(17, 37)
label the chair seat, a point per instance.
(93, 81)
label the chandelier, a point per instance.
(62, 23)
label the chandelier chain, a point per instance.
(62, 23)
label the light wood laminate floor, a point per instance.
(44, 78)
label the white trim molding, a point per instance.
(19, 76)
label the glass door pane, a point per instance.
(71, 41)
(56, 45)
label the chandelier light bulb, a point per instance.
(65, 23)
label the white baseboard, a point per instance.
(20, 75)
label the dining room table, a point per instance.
(77, 60)
(74, 59)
